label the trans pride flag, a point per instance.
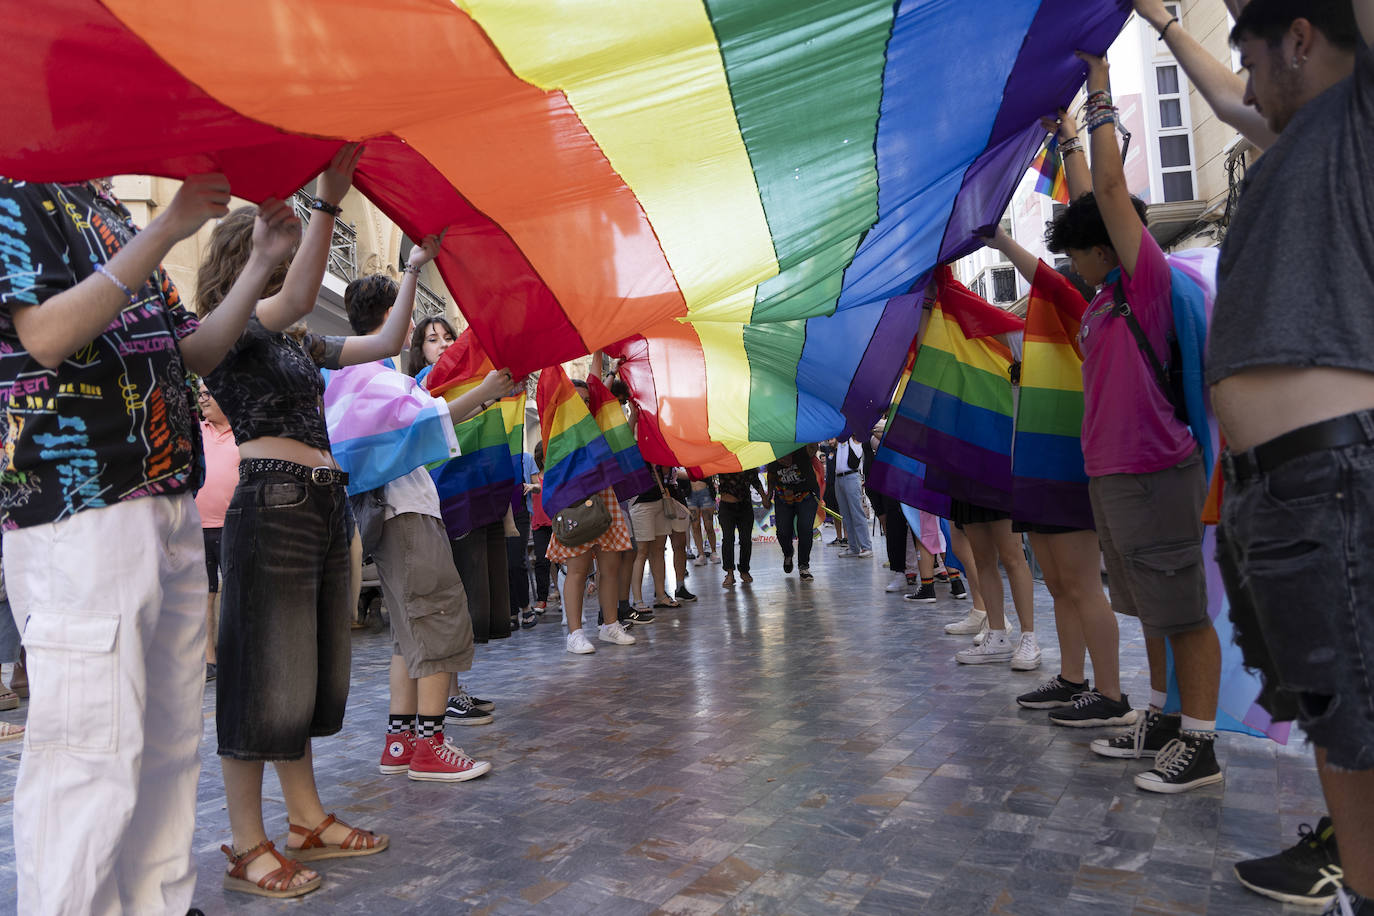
(477, 486)
(1049, 485)
(1051, 179)
(578, 460)
(636, 477)
(382, 425)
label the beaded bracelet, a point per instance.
(1074, 145)
(109, 275)
(1101, 123)
(411, 269)
(325, 206)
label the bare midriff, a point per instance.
(1256, 405)
(287, 450)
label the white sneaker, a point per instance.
(1027, 655)
(997, 648)
(898, 583)
(579, 644)
(615, 632)
(864, 554)
(700, 561)
(971, 624)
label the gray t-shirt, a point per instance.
(1296, 278)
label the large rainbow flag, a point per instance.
(956, 414)
(1049, 485)
(476, 488)
(896, 474)
(636, 476)
(578, 460)
(735, 194)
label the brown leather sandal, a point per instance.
(275, 883)
(359, 842)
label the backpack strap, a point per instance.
(1123, 308)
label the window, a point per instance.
(980, 286)
(1175, 149)
(1003, 284)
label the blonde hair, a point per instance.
(231, 242)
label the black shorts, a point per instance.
(962, 513)
(1292, 547)
(212, 539)
(1033, 528)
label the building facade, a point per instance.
(1182, 160)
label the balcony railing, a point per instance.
(343, 245)
(428, 303)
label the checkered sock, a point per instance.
(430, 725)
(396, 724)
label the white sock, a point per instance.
(1158, 699)
(1199, 725)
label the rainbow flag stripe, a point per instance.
(734, 193)
(578, 460)
(635, 475)
(477, 487)
(1050, 486)
(1051, 179)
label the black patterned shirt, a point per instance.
(117, 419)
(269, 384)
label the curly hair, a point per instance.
(1080, 225)
(415, 361)
(231, 242)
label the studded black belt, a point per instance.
(320, 477)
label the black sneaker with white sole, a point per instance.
(1188, 762)
(1308, 873)
(683, 595)
(957, 589)
(1151, 733)
(925, 594)
(462, 710)
(638, 616)
(1056, 693)
(1091, 709)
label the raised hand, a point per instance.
(1060, 124)
(426, 251)
(200, 198)
(337, 177)
(1154, 12)
(1099, 71)
(276, 232)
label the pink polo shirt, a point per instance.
(221, 474)
(1129, 426)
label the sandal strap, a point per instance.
(364, 839)
(279, 879)
(312, 837)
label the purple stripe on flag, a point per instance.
(1051, 502)
(870, 392)
(1045, 77)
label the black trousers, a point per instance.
(480, 556)
(736, 522)
(517, 568)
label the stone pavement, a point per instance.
(779, 748)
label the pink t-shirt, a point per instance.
(221, 475)
(1129, 426)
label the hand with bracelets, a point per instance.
(1065, 130)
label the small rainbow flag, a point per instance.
(956, 413)
(901, 477)
(477, 487)
(578, 460)
(1049, 484)
(1051, 180)
(611, 420)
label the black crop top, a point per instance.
(270, 385)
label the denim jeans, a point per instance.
(849, 494)
(284, 642)
(796, 520)
(111, 602)
(1294, 550)
(736, 521)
